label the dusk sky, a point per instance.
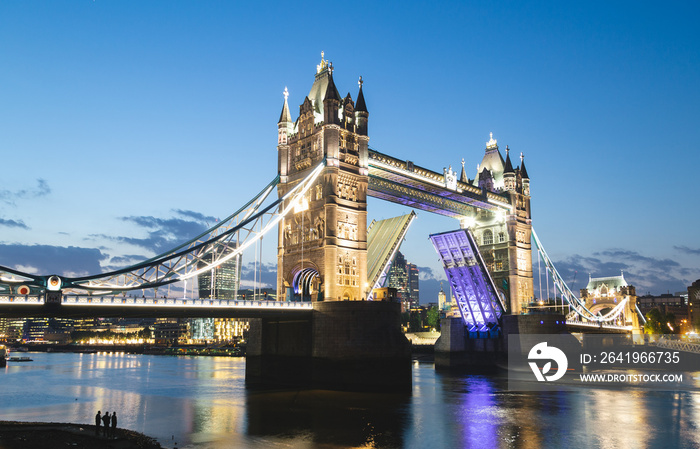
(128, 127)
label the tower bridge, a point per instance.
(326, 252)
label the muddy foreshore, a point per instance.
(31, 435)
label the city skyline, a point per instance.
(129, 128)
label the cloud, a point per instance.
(426, 273)
(164, 233)
(197, 216)
(13, 224)
(634, 256)
(686, 250)
(47, 259)
(647, 274)
(129, 259)
(9, 197)
(266, 275)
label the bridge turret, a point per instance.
(331, 101)
(508, 173)
(285, 127)
(361, 114)
(493, 163)
(524, 176)
(463, 176)
(486, 180)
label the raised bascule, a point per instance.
(325, 320)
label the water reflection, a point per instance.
(202, 403)
(330, 418)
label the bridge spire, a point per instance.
(463, 176)
(285, 116)
(285, 125)
(509, 165)
(509, 182)
(360, 103)
(331, 100)
(361, 114)
(523, 172)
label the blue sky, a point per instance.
(126, 127)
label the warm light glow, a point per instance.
(492, 142)
(467, 222)
(301, 205)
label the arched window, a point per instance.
(488, 237)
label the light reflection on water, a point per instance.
(202, 403)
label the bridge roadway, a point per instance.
(403, 182)
(596, 328)
(74, 306)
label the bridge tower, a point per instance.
(322, 249)
(505, 239)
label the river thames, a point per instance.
(202, 402)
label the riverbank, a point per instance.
(30, 435)
(217, 351)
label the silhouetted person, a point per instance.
(114, 424)
(98, 418)
(105, 423)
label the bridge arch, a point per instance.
(306, 281)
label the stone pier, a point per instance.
(341, 345)
(455, 348)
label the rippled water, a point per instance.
(202, 402)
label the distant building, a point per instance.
(85, 324)
(413, 290)
(229, 329)
(604, 294)
(202, 329)
(34, 329)
(403, 276)
(222, 281)
(442, 299)
(694, 305)
(398, 279)
(676, 304)
(447, 308)
(170, 330)
(384, 294)
(11, 329)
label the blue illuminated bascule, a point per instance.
(477, 298)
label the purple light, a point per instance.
(469, 279)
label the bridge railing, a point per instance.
(598, 325)
(27, 299)
(678, 345)
(115, 300)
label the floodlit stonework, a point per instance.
(322, 252)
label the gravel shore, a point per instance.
(29, 435)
